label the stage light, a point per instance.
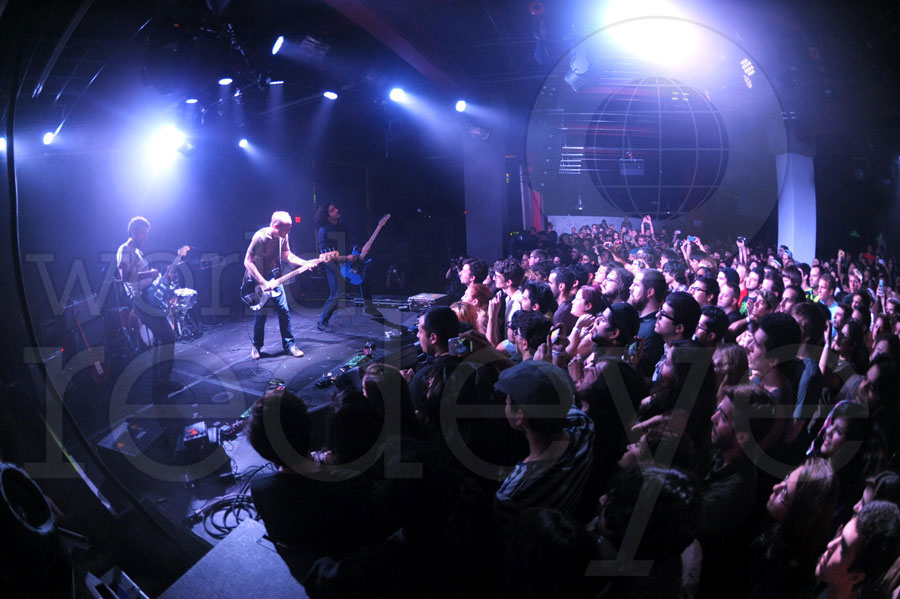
(244, 143)
(225, 81)
(330, 95)
(461, 106)
(164, 145)
(237, 94)
(191, 101)
(48, 138)
(279, 82)
(654, 30)
(277, 45)
(397, 95)
(2, 144)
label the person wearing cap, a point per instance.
(540, 404)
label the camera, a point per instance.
(742, 240)
(459, 346)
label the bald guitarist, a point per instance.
(269, 248)
(332, 234)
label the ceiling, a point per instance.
(61, 52)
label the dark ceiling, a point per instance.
(819, 55)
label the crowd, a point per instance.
(614, 413)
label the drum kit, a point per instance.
(183, 320)
(181, 317)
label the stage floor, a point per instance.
(138, 435)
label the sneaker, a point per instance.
(296, 351)
(254, 353)
(372, 311)
(324, 326)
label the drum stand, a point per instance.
(185, 322)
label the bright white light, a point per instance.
(243, 143)
(48, 138)
(225, 81)
(748, 81)
(461, 106)
(397, 95)
(276, 82)
(330, 95)
(748, 67)
(191, 101)
(2, 144)
(277, 45)
(163, 146)
(237, 94)
(653, 30)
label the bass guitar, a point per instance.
(255, 296)
(355, 271)
(158, 293)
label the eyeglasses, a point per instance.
(694, 288)
(660, 314)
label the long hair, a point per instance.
(804, 532)
(321, 217)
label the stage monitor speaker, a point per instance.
(132, 437)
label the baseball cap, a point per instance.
(535, 382)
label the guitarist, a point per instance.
(332, 234)
(268, 249)
(136, 275)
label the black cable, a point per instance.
(237, 507)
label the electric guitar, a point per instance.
(253, 294)
(355, 271)
(100, 370)
(158, 293)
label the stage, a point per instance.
(140, 436)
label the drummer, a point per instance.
(136, 276)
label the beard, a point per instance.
(639, 304)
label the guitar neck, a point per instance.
(294, 273)
(368, 246)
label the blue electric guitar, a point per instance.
(355, 271)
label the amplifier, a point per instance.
(426, 300)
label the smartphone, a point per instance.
(881, 286)
(459, 346)
(691, 238)
(554, 335)
(632, 349)
(742, 240)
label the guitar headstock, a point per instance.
(326, 256)
(384, 220)
(183, 250)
